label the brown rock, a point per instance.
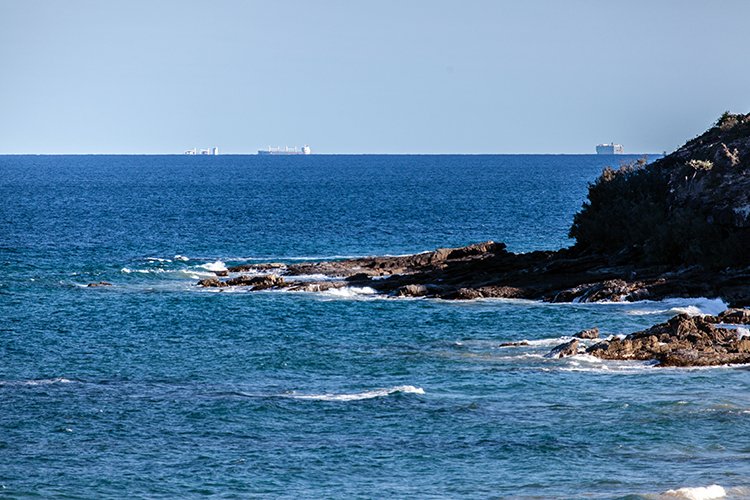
(681, 341)
(212, 283)
(591, 333)
(735, 316)
(316, 286)
(564, 350)
(412, 291)
(264, 266)
(257, 282)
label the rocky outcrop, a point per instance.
(682, 341)
(591, 333)
(255, 282)
(488, 270)
(679, 227)
(256, 268)
(564, 350)
(100, 283)
(735, 316)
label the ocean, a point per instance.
(155, 388)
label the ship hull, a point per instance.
(284, 153)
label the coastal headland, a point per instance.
(677, 227)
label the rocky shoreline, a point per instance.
(679, 227)
(488, 270)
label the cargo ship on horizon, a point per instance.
(305, 150)
(610, 149)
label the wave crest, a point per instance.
(41, 381)
(377, 393)
(698, 493)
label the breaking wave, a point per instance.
(42, 381)
(377, 393)
(694, 307)
(350, 291)
(214, 266)
(698, 493)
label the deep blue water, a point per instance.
(155, 388)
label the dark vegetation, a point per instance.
(691, 207)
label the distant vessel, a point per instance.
(286, 151)
(204, 151)
(609, 149)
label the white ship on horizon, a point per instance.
(203, 151)
(305, 150)
(610, 149)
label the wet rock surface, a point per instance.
(735, 316)
(682, 341)
(488, 270)
(564, 350)
(262, 282)
(591, 333)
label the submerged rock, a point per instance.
(514, 344)
(100, 283)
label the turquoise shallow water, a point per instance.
(154, 388)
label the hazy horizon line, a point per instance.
(337, 154)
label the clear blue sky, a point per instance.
(393, 76)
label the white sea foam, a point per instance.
(553, 342)
(377, 393)
(181, 258)
(605, 366)
(127, 270)
(698, 493)
(157, 259)
(694, 307)
(43, 381)
(214, 266)
(350, 291)
(587, 358)
(307, 277)
(742, 332)
(178, 273)
(385, 276)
